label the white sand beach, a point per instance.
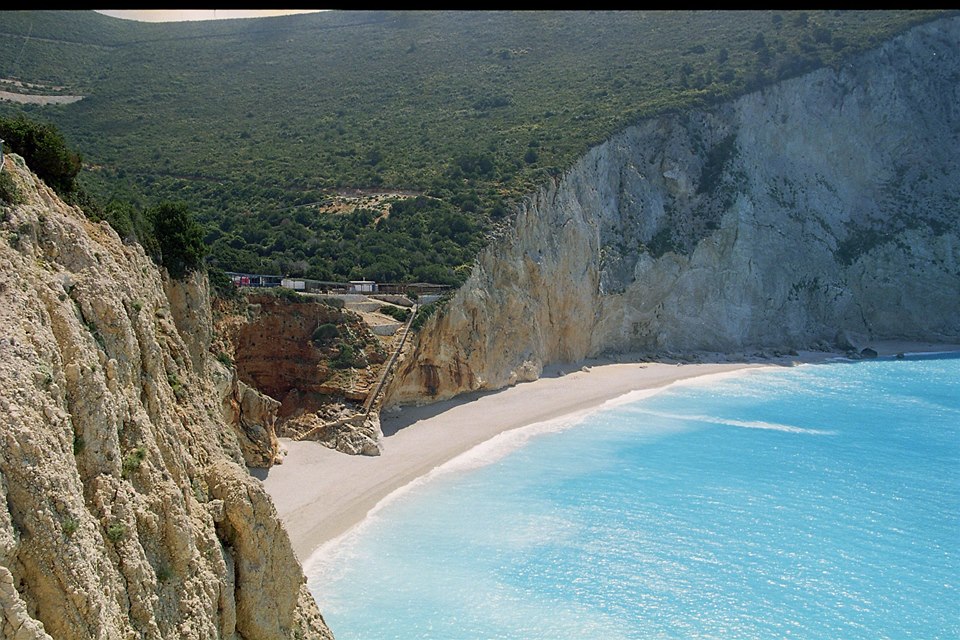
(320, 493)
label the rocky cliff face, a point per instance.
(127, 510)
(813, 212)
(313, 359)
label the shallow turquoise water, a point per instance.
(819, 501)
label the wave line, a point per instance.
(743, 424)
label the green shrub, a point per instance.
(221, 285)
(131, 462)
(716, 161)
(178, 389)
(179, 239)
(116, 531)
(121, 216)
(324, 333)
(46, 378)
(288, 294)
(44, 150)
(344, 359)
(257, 175)
(397, 313)
(8, 189)
(163, 573)
(69, 526)
(423, 314)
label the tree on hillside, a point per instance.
(179, 239)
(44, 150)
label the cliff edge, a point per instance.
(818, 213)
(127, 509)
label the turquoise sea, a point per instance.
(816, 502)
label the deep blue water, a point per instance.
(817, 502)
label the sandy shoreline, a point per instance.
(321, 494)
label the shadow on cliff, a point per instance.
(392, 422)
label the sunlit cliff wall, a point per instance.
(127, 510)
(813, 212)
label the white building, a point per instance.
(363, 286)
(297, 284)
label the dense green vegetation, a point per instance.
(259, 124)
(397, 313)
(44, 149)
(179, 238)
(168, 232)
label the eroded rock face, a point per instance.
(276, 352)
(252, 415)
(126, 510)
(358, 434)
(825, 205)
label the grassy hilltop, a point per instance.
(264, 126)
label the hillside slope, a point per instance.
(264, 125)
(804, 215)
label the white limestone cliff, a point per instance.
(127, 510)
(820, 209)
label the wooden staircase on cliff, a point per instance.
(372, 403)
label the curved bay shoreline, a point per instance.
(321, 494)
